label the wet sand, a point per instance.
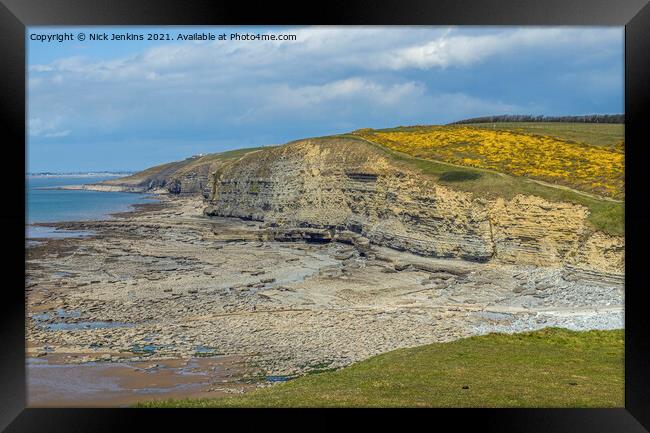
(166, 284)
(102, 384)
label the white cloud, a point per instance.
(365, 48)
(351, 88)
(41, 68)
(48, 128)
(461, 50)
(57, 134)
(335, 75)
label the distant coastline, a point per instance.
(47, 202)
(81, 174)
(98, 187)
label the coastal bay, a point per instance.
(165, 283)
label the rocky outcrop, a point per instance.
(345, 185)
(188, 177)
(196, 181)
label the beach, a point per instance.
(165, 283)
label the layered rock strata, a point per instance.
(323, 188)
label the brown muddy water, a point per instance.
(105, 384)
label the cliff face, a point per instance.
(193, 180)
(182, 177)
(344, 185)
(190, 176)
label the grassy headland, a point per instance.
(594, 169)
(170, 170)
(599, 134)
(490, 180)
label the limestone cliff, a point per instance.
(182, 177)
(343, 185)
(189, 176)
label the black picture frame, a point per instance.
(16, 15)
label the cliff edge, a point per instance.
(342, 187)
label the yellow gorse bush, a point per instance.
(595, 169)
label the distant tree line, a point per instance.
(590, 118)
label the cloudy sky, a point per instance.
(127, 105)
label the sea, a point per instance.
(45, 203)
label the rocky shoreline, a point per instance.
(102, 188)
(166, 282)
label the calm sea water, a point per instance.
(48, 205)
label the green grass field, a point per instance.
(548, 368)
(230, 154)
(180, 167)
(600, 134)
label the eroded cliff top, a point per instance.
(582, 165)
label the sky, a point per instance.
(127, 105)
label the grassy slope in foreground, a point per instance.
(548, 368)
